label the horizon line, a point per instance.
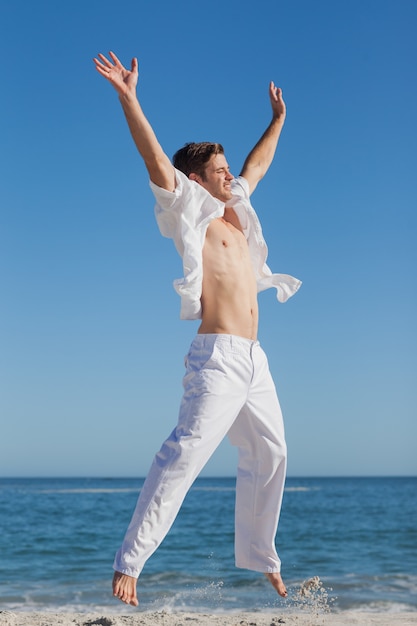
(291, 477)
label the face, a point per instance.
(217, 178)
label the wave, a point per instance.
(291, 489)
(89, 490)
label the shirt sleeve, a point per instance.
(189, 203)
(168, 206)
(241, 202)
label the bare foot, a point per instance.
(124, 588)
(277, 583)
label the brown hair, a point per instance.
(193, 157)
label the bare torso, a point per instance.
(229, 296)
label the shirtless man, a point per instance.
(227, 386)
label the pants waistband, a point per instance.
(231, 341)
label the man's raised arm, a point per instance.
(260, 158)
(160, 169)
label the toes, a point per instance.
(277, 583)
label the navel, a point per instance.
(224, 242)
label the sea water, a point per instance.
(345, 543)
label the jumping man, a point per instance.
(228, 389)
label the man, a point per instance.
(228, 388)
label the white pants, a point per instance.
(228, 389)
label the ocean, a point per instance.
(356, 537)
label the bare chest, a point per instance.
(224, 235)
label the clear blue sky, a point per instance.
(91, 344)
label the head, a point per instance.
(206, 164)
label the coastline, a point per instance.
(342, 618)
(355, 576)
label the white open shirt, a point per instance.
(184, 216)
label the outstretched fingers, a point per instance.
(121, 78)
(116, 60)
(119, 64)
(277, 102)
(103, 65)
(274, 92)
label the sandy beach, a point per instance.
(344, 618)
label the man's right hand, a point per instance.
(123, 80)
